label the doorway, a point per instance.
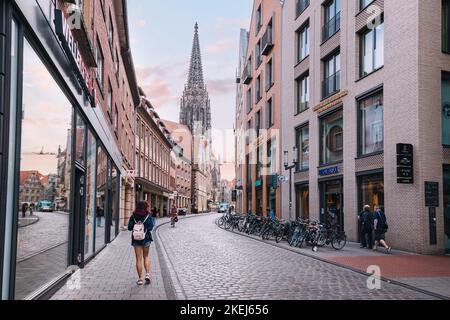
(331, 203)
(447, 209)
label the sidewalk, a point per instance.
(430, 273)
(112, 275)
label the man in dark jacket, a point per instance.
(366, 220)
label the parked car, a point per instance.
(182, 211)
(223, 207)
(45, 206)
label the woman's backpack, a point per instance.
(139, 232)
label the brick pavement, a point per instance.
(210, 263)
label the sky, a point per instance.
(161, 35)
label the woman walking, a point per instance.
(141, 226)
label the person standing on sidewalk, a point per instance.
(154, 216)
(381, 227)
(366, 218)
(142, 247)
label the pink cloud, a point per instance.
(159, 93)
(219, 46)
(221, 87)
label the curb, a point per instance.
(384, 279)
(172, 283)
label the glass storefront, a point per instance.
(331, 208)
(102, 179)
(447, 208)
(371, 191)
(302, 201)
(45, 178)
(332, 138)
(90, 195)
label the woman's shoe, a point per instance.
(140, 282)
(388, 250)
(148, 280)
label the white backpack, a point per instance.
(139, 230)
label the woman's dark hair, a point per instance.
(142, 208)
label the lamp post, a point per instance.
(289, 167)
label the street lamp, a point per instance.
(290, 168)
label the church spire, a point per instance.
(195, 78)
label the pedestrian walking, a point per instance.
(154, 216)
(173, 216)
(99, 216)
(31, 209)
(24, 210)
(366, 220)
(141, 226)
(381, 228)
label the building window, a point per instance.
(446, 109)
(302, 93)
(269, 75)
(332, 138)
(332, 75)
(109, 101)
(249, 131)
(111, 31)
(258, 89)
(269, 113)
(332, 22)
(302, 144)
(116, 119)
(249, 100)
(372, 50)
(99, 60)
(364, 4)
(371, 124)
(446, 26)
(258, 123)
(258, 19)
(303, 43)
(301, 6)
(302, 201)
(258, 55)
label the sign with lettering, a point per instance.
(329, 171)
(64, 32)
(405, 163)
(432, 194)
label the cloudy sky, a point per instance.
(161, 35)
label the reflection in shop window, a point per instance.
(101, 207)
(45, 171)
(90, 195)
(371, 191)
(371, 124)
(80, 132)
(332, 138)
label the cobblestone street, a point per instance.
(214, 264)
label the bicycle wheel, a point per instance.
(279, 236)
(220, 222)
(339, 241)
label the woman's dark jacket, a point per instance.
(148, 227)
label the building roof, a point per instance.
(181, 135)
(25, 175)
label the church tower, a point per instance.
(195, 109)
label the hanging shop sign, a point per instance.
(64, 32)
(405, 165)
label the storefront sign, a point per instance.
(258, 183)
(70, 47)
(432, 194)
(329, 171)
(405, 164)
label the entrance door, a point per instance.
(447, 209)
(78, 218)
(331, 207)
(259, 202)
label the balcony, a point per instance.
(331, 85)
(267, 42)
(301, 6)
(331, 27)
(247, 75)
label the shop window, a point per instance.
(101, 199)
(302, 141)
(371, 191)
(91, 156)
(446, 26)
(114, 191)
(45, 178)
(446, 109)
(332, 138)
(371, 135)
(80, 135)
(302, 202)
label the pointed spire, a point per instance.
(195, 78)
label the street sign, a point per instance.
(282, 179)
(432, 194)
(405, 163)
